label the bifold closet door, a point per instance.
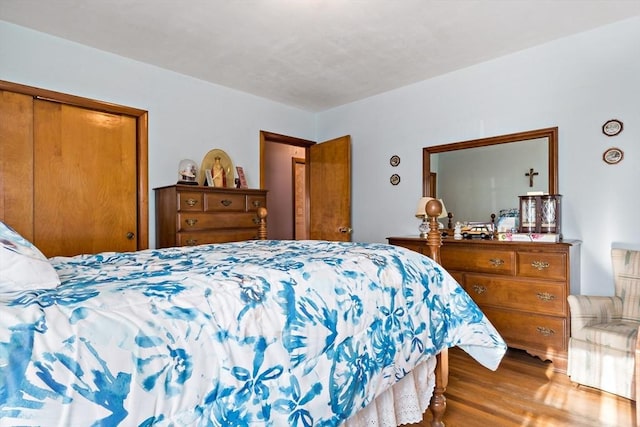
(84, 174)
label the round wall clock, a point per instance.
(613, 156)
(612, 127)
(395, 179)
(394, 160)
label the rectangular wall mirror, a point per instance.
(480, 177)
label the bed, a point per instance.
(258, 332)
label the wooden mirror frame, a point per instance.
(550, 133)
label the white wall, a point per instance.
(187, 117)
(576, 83)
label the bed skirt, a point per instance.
(404, 403)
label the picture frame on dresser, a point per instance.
(208, 178)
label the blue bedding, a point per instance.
(275, 333)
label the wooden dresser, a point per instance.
(193, 215)
(521, 287)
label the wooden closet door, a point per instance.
(16, 162)
(84, 180)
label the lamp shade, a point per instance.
(421, 210)
(444, 213)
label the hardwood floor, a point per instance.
(525, 391)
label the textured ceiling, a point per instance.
(314, 54)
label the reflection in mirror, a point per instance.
(482, 177)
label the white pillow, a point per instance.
(22, 265)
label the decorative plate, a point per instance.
(395, 179)
(613, 156)
(394, 160)
(612, 127)
(225, 161)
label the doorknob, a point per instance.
(130, 235)
(346, 230)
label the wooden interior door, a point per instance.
(85, 180)
(330, 190)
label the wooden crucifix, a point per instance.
(531, 174)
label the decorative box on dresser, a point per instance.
(521, 287)
(188, 215)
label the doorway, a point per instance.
(283, 161)
(326, 199)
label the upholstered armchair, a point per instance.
(604, 331)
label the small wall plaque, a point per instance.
(612, 127)
(613, 156)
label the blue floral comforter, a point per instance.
(275, 333)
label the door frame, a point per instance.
(271, 137)
(296, 163)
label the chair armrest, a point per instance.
(590, 310)
(637, 378)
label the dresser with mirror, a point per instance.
(522, 287)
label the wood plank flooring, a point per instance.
(525, 391)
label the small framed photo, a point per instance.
(208, 177)
(612, 127)
(242, 180)
(613, 156)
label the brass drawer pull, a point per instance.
(226, 202)
(496, 262)
(255, 220)
(191, 221)
(479, 289)
(545, 331)
(192, 242)
(257, 203)
(539, 265)
(546, 296)
(191, 202)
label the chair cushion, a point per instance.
(602, 367)
(620, 335)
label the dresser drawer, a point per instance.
(188, 201)
(551, 266)
(458, 276)
(222, 236)
(526, 330)
(205, 221)
(225, 202)
(254, 202)
(419, 246)
(486, 261)
(524, 295)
